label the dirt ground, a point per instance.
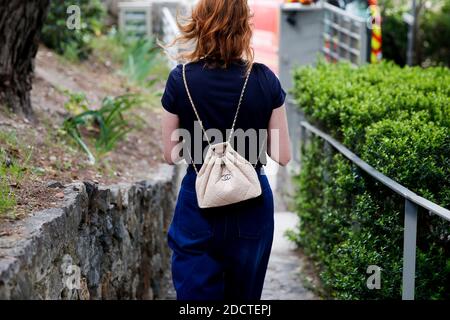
(54, 157)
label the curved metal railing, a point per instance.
(412, 203)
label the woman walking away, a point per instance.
(218, 101)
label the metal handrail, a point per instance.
(388, 182)
(412, 202)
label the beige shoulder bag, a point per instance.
(225, 176)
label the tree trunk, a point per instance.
(20, 25)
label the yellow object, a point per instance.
(376, 38)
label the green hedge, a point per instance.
(397, 120)
(73, 43)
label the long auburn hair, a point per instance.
(217, 30)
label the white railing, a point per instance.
(169, 32)
(135, 19)
(344, 36)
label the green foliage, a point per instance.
(394, 31)
(140, 59)
(13, 169)
(436, 35)
(74, 44)
(397, 120)
(433, 34)
(111, 47)
(106, 126)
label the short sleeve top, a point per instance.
(216, 93)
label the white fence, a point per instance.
(344, 36)
(135, 19)
(169, 32)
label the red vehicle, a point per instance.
(266, 30)
(266, 33)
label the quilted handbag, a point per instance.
(225, 176)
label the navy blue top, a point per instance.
(216, 92)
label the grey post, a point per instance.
(409, 250)
(412, 35)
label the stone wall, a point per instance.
(105, 242)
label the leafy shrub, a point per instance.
(436, 35)
(140, 59)
(397, 120)
(105, 126)
(395, 31)
(433, 34)
(73, 43)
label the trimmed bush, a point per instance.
(397, 120)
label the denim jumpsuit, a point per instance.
(220, 253)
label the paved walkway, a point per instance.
(283, 278)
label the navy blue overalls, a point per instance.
(220, 253)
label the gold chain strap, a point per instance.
(200, 121)
(195, 109)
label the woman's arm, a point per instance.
(170, 123)
(278, 142)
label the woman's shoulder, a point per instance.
(266, 76)
(259, 65)
(175, 78)
(175, 75)
(264, 69)
(177, 71)
(271, 83)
